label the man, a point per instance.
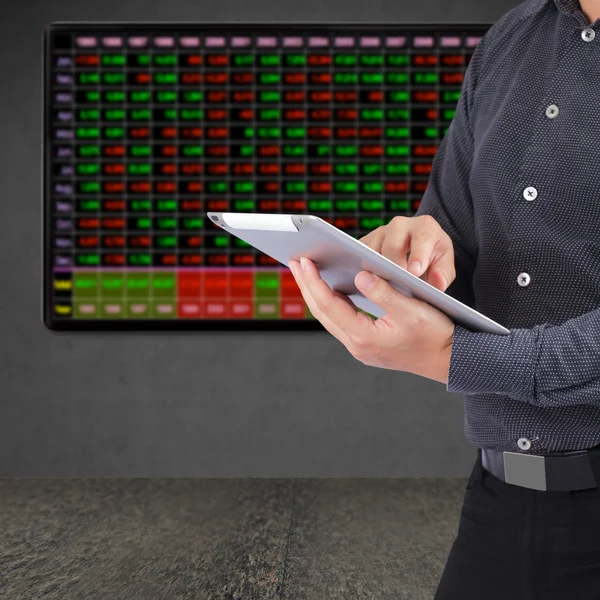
(509, 224)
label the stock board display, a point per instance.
(148, 127)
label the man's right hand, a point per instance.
(407, 241)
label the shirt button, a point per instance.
(552, 111)
(524, 443)
(588, 34)
(530, 193)
(523, 279)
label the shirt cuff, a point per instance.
(484, 363)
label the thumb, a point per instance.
(380, 291)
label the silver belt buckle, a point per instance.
(526, 470)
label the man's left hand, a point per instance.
(411, 336)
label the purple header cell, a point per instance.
(62, 79)
(64, 206)
(370, 42)
(63, 188)
(240, 42)
(63, 261)
(64, 224)
(112, 42)
(64, 61)
(138, 41)
(64, 115)
(473, 41)
(395, 42)
(164, 42)
(293, 42)
(344, 42)
(215, 42)
(64, 134)
(66, 170)
(63, 243)
(190, 41)
(423, 42)
(450, 42)
(266, 42)
(60, 97)
(318, 42)
(86, 42)
(64, 152)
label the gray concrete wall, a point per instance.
(168, 405)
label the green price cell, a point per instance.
(319, 205)
(346, 205)
(139, 169)
(243, 60)
(166, 205)
(371, 60)
(244, 205)
(88, 132)
(371, 205)
(113, 78)
(371, 78)
(140, 150)
(88, 168)
(295, 60)
(165, 78)
(345, 60)
(140, 205)
(89, 150)
(346, 169)
(164, 223)
(88, 78)
(398, 60)
(371, 168)
(372, 187)
(164, 96)
(295, 132)
(425, 78)
(294, 150)
(140, 114)
(113, 60)
(139, 96)
(114, 114)
(269, 78)
(269, 115)
(113, 97)
(371, 222)
(88, 114)
(192, 96)
(192, 150)
(165, 60)
(269, 60)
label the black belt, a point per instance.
(569, 471)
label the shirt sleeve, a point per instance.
(546, 366)
(447, 197)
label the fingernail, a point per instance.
(365, 281)
(415, 267)
(303, 263)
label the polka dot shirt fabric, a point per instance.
(516, 185)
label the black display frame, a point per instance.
(252, 28)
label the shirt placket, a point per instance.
(533, 186)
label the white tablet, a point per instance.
(339, 258)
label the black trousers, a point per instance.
(517, 543)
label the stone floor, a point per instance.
(226, 539)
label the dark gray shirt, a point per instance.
(516, 185)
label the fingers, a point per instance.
(391, 240)
(331, 327)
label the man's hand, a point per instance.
(418, 242)
(412, 336)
